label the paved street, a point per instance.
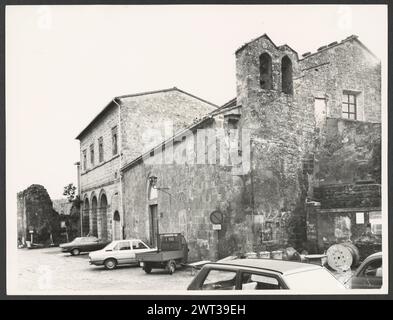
(46, 271)
(49, 270)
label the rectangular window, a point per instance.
(92, 154)
(84, 160)
(101, 149)
(114, 140)
(349, 106)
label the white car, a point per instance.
(119, 252)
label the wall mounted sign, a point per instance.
(359, 217)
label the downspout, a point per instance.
(120, 144)
(79, 196)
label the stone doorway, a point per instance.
(153, 224)
(116, 226)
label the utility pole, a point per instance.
(78, 169)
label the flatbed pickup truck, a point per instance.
(172, 252)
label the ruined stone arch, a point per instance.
(265, 71)
(286, 75)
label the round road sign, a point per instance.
(216, 217)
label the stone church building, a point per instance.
(292, 160)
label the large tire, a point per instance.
(110, 264)
(147, 268)
(171, 266)
(75, 252)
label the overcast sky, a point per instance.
(65, 63)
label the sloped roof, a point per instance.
(114, 101)
(336, 44)
(270, 40)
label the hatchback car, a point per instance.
(83, 244)
(369, 274)
(119, 252)
(264, 274)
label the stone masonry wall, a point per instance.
(195, 191)
(105, 172)
(345, 66)
(144, 118)
(277, 123)
(347, 152)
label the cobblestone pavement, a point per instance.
(47, 271)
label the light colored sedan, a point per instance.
(119, 252)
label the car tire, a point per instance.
(75, 252)
(147, 268)
(171, 267)
(110, 264)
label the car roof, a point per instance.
(280, 266)
(375, 255)
(127, 240)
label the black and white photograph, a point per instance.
(196, 149)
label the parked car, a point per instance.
(119, 252)
(369, 274)
(264, 274)
(83, 244)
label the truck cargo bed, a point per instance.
(159, 256)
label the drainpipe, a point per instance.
(120, 146)
(78, 169)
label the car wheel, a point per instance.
(75, 252)
(171, 267)
(147, 268)
(110, 264)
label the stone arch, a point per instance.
(93, 215)
(152, 212)
(103, 216)
(286, 75)
(265, 71)
(152, 193)
(85, 216)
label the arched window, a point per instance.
(286, 75)
(94, 206)
(103, 218)
(265, 71)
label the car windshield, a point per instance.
(318, 280)
(77, 239)
(110, 245)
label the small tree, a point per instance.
(69, 192)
